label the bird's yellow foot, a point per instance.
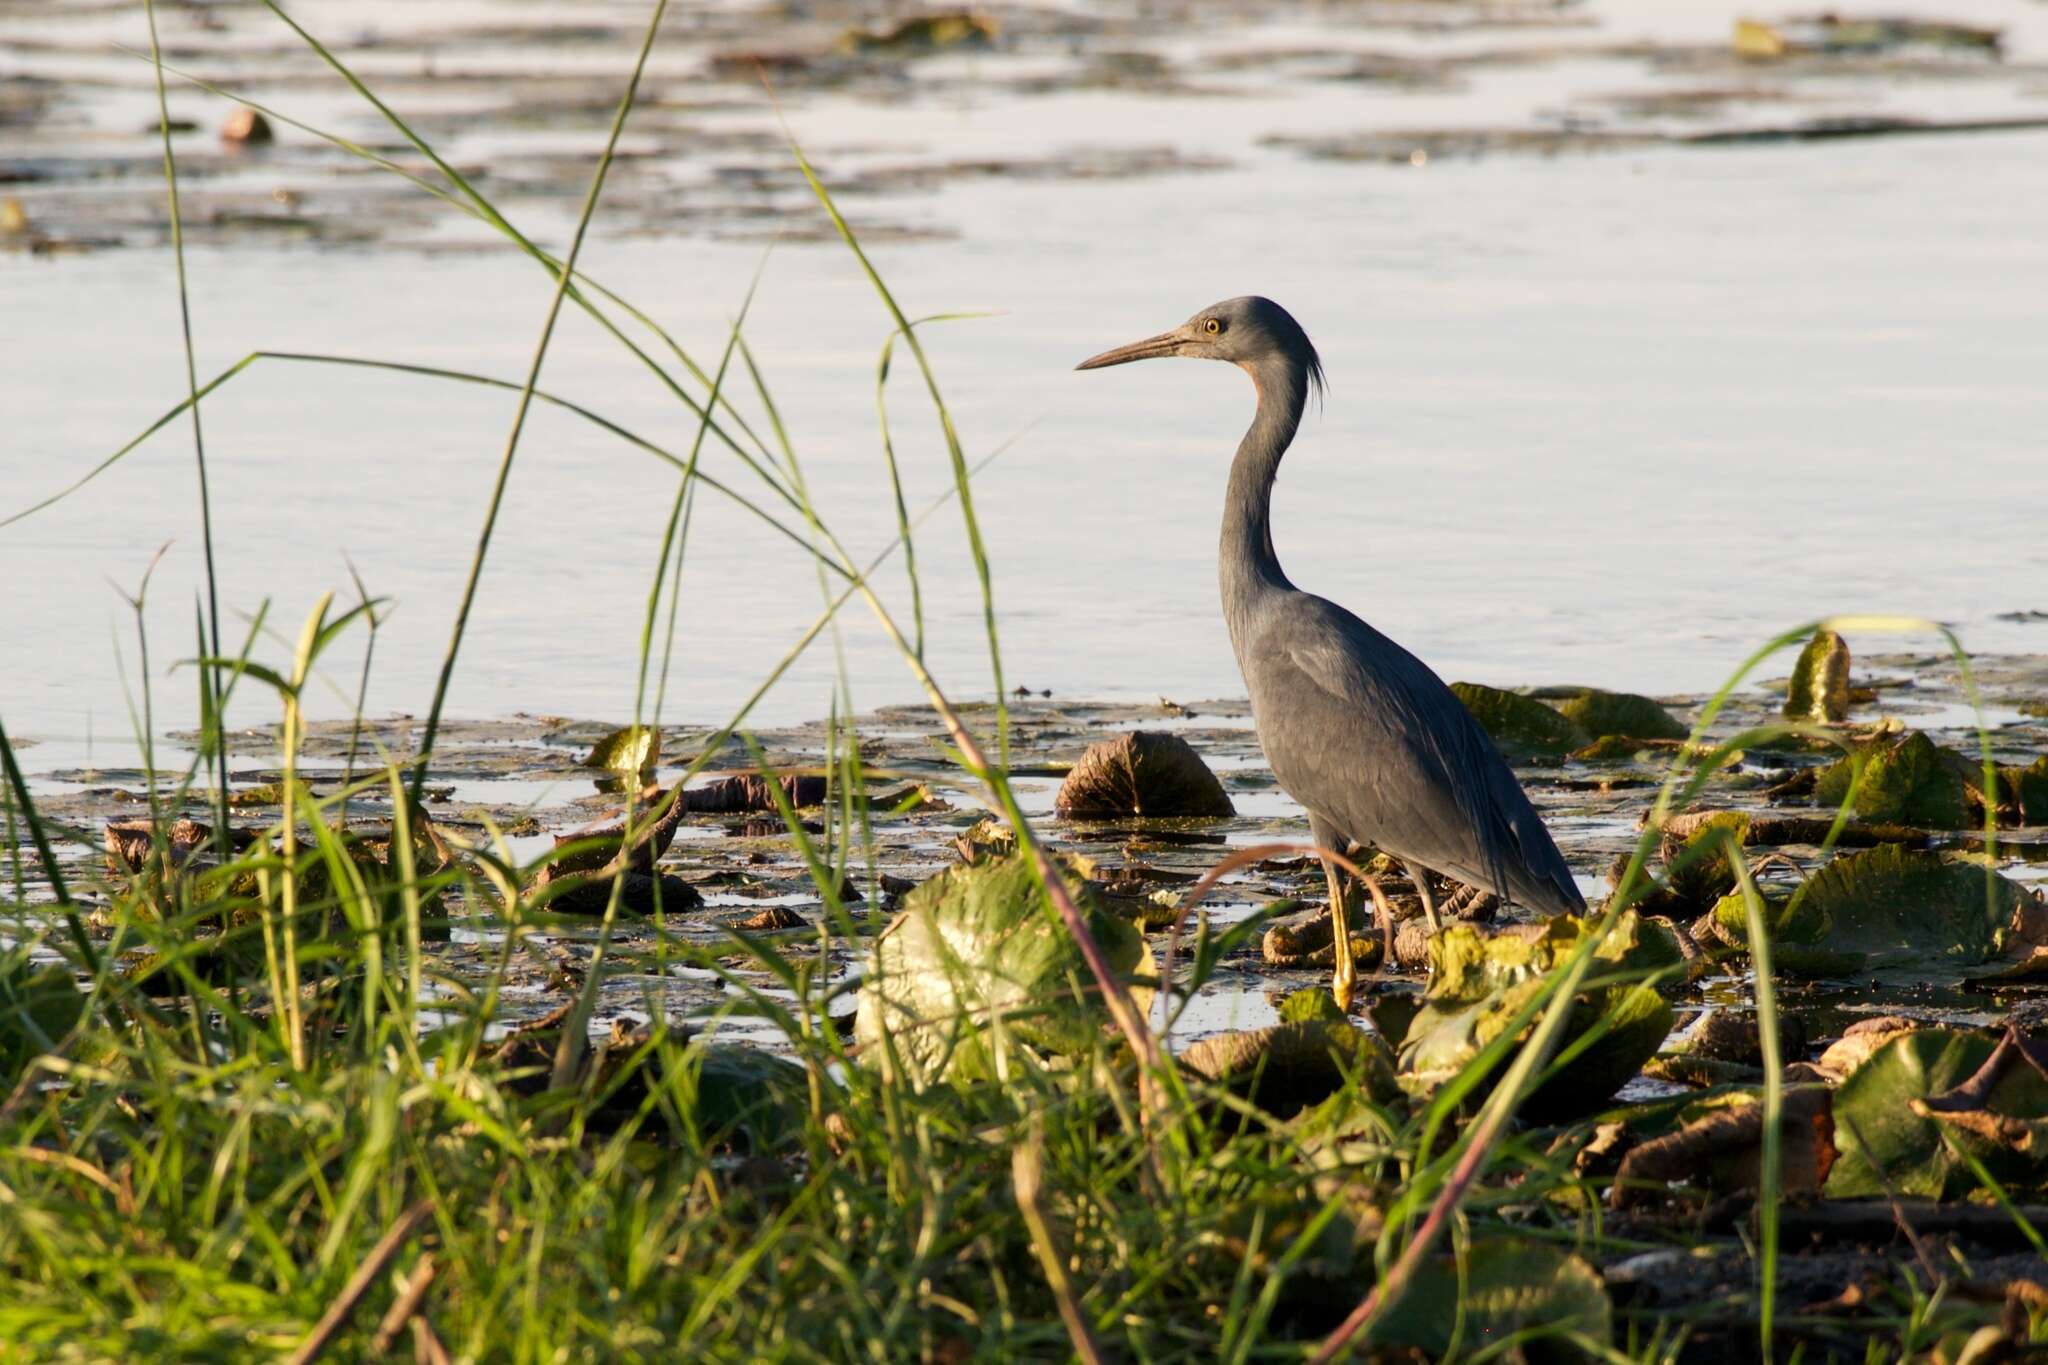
(1345, 979)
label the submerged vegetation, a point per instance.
(328, 1055)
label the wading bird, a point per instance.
(1356, 728)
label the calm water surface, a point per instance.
(1610, 418)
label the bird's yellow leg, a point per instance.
(1344, 979)
(1419, 874)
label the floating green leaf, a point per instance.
(1881, 1140)
(728, 1093)
(1615, 749)
(216, 960)
(1699, 873)
(742, 1090)
(1720, 1148)
(1479, 984)
(1291, 1065)
(1522, 726)
(1819, 689)
(2028, 789)
(1998, 1118)
(924, 33)
(1508, 1287)
(634, 749)
(975, 970)
(1907, 781)
(1782, 926)
(38, 1006)
(1890, 906)
(1605, 714)
(1303, 1007)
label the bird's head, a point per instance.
(1251, 332)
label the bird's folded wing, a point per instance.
(1369, 735)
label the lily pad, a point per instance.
(601, 845)
(924, 33)
(1833, 36)
(1863, 1040)
(1819, 689)
(634, 749)
(1721, 1150)
(1890, 906)
(131, 844)
(1296, 1063)
(590, 893)
(2028, 789)
(1605, 715)
(1622, 749)
(1881, 1139)
(1999, 1116)
(1141, 773)
(976, 972)
(751, 792)
(1508, 1287)
(215, 960)
(38, 1006)
(1907, 781)
(1479, 984)
(1699, 872)
(731, 1094)
(1736, 1036)
(1523, 727)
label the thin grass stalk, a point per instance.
(1026, 1179)
(2000, 1196)
(110, 461)
(148, 736)
(220, 812)
(14, 870)
(488, 213)
(675, 602)
(575, 1036)
(1128, 1020)
(540, 350)
(355, 729)
(1915, 624)
(1771, 1177)
(669, 538)
(468, 203)
(954, 451)
(673, 536)
(294, 733)
(896, 490)
(1244, 857)
(844, 772)
(852, 786)
(1533, 1057)
(433, 372)
(83, 941)
(356, 900)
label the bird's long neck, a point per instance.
(1250, 569)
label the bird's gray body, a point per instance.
(1378, 750)
(1357, 729)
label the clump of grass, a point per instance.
(281, 1127)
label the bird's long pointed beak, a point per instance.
(1166, 343)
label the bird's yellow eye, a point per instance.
(1214, 327)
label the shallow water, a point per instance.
(1610, 418)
